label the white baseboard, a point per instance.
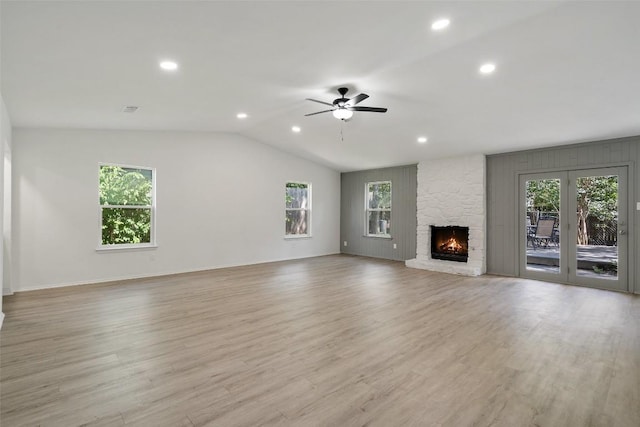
(151, 275)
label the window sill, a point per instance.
(110, 248)
(297, 236)
(379, 236)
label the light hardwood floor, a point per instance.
(335, 341)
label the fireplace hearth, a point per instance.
(450, 243)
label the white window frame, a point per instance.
(308, 209)
(367, 209)
(128, 246)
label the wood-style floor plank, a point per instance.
(330, 341)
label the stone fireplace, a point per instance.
(447, 205)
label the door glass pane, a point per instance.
(597, 226)
(542, 232)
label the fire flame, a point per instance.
(451, 245)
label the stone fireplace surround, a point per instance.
(452, 192)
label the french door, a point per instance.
(573, 227)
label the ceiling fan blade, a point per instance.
(357, 99)
(370, 109)
(319, 102)
(313, 114)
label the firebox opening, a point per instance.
(450, 243)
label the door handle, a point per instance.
(622, 232)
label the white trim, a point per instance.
(126, 247)
(127, 206)
(123, 165)
(297, 236)
(1, 319)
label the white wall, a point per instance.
(6, 214)
(5, 144)
(452, 192)
(220, 202)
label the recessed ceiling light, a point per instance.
(168, 65)
(440, 24)
(242, 115)
(295, 129)
(422, 139)
(487, 68)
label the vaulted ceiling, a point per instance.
(565, 72)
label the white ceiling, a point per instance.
(566, 72)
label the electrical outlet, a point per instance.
(344, 243)
(638, 206)
(395, 246)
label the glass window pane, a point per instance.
(125, 186)
(296, 222)
(297, 195)
(543, 218)
(379, 223)
(379, 195)
(126, 225)
(597, 226)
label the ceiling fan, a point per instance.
(343, 108)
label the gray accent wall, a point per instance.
(503, 171)
(403, 214)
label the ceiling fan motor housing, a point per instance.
(339, 102)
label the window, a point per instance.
(298, 209)
(126, 206)
(378, 209)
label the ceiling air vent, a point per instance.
(130, 109)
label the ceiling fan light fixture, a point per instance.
(342, 114)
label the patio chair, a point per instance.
(531, 231)
(544, 233)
